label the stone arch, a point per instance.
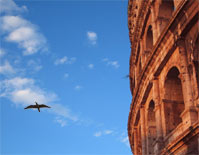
(166, 9)
(173, 100)
(151, 127)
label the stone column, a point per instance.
(189, 115)
(143, 129)
(135, 140)
(158, 117)
(154, 25)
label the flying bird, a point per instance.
(38, 106)
(126, 76)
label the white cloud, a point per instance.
(9, 6)
(63, 111)
(90, 66)
(98, 134)
(61, 60)
(92, 37)
(108, 62)
(35, 65)
(2, 52)
(62, 122)
(65, 60)
(78, 87)
(114, 64)
(6, 69)
(107, 132)
(125, 140)
(24, 91)
(24, 33)
(102, 133)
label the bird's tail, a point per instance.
(39, 109)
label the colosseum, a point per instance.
(164, 77)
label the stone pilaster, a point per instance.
(189, 116)
(154, 25)
(158, 116)
(135, 134)
(143, 129)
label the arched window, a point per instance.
(196, 60)
(165, 13)
(173, 100)
(149, 39)
(151, 127)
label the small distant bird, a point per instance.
(126, 76)
(38, 106)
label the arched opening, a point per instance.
(138, 53)
(196, 60)
(173, 100)
(149, 39)
(151, 127)
(165, 13)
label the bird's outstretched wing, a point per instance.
(44, 106)
(30, 106)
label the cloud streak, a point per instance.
(108, 62)
(65, 60)
(24, 91)
(102, 133)
(9, 6)
(92, 37)
(6, 68)
(78, 87)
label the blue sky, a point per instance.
(72, 56)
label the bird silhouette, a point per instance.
(38, 106)
(126, 76)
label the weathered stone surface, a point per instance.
(164, 77)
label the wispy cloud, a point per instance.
(98, 134)
(90, 66)
(35, 65)
(125, 140)
(9, 6)
(24, 91)
(65, 60)
(102, 133)
(6, 68)
(107, 132)
(108, 62)
(78, 87)
(60, 121)
(63, 112)
(92, 37)
(2, 52)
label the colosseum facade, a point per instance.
(164, 77)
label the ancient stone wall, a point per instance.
(164, 76)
